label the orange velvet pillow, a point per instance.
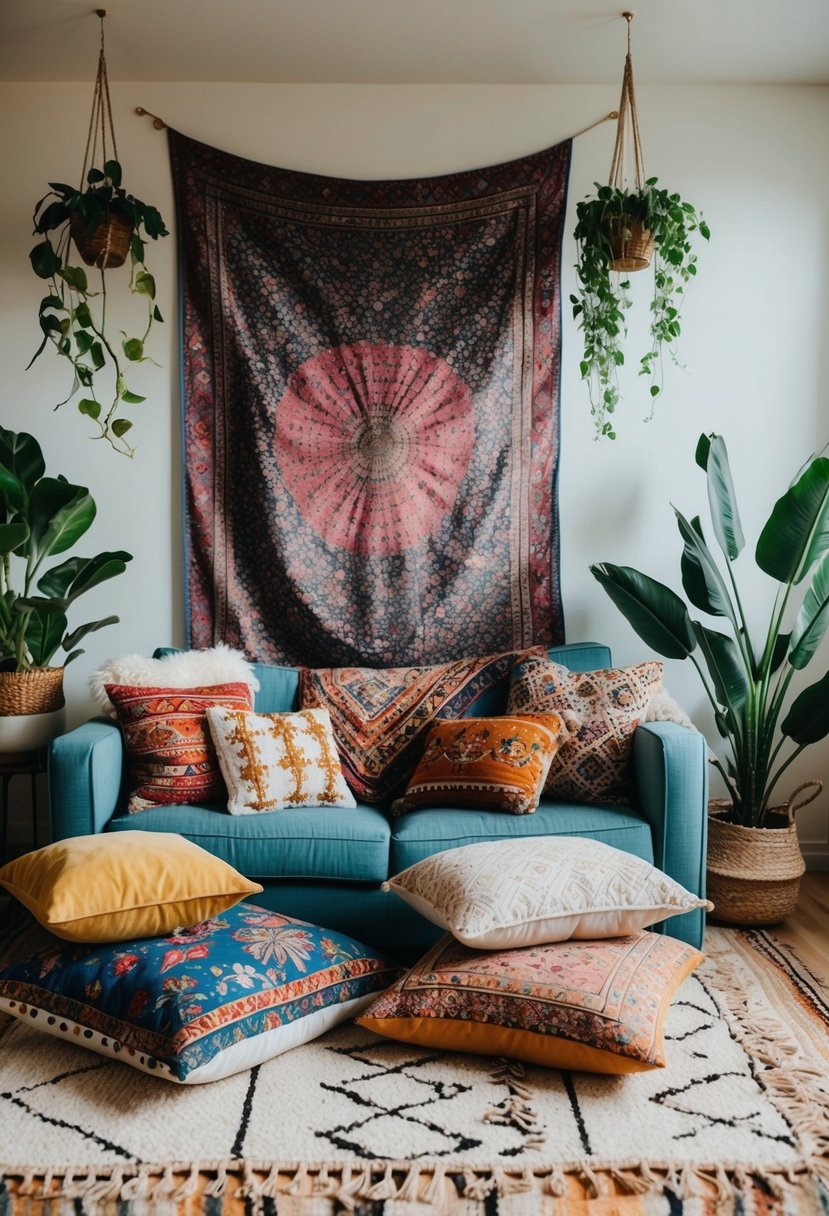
(496, 763)
(170, 755)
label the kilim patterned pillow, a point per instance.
(608, 704)
(498, 763)
(596, 1006)
(273, 761)
(170, 756)
(379, 716)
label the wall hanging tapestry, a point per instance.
(736, 1124)
(371, 384)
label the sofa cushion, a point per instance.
(419, 834)
(350, 844)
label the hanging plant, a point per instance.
(618, 231)
(105, 225)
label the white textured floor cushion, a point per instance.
(507, 893)
(203, 1002)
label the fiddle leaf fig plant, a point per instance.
(602, 298)
(73, 314)
(41, 518)
(748, 682)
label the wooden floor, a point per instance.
(807, 930)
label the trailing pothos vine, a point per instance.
(73, 315)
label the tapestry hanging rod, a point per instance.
(161, 125)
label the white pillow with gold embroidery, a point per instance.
(274, 761)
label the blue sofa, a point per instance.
(325, 865)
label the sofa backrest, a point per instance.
(279, 686)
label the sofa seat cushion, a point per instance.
(347, 844)
(419, 834)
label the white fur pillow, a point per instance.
(221, 664)
(663, 708)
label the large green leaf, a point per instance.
(98, 569)
(655, 611)
(725, 666)
(60, 513)
(722, 501)
(808, 718)
(57, 581)
(43, 635)
(21, 455)
(813, 617)
(698, 558)
(693, 579)
(12, 535)
(796, 534)
(71, 640)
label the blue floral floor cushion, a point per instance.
(204, 1002)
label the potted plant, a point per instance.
(754, 860)
(40, 518)
(104, 224)
(617, 230)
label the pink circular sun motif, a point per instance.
(373, 442)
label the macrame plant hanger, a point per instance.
(632, 242)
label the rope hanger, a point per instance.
(627, 116)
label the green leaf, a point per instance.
(12, 536)
(131, 398)
(808, 718)
(12, 490)
(134, 349)
(97, 570)
(655, 611)
(95, 175)
(75, 276)
(796, 534)
(96, 354)
(77, 635)
(21, 454)
(725, 666)
(779, 651)
(83, 316)
(813, 617)
(90, 408)
(120, 427)
(700, 571)
(145, 284)
(722, 500)
(157, 314)
(59, 514)
(45, 262)
(84, 342)
(112, 169)
(56, 582)
(43, 635)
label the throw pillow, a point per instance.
(109, 888)
(170, 755)
(500, 763)
(201, 1003)
(609, 705)
(524, 892)
(220, 664)
(273, 761)
(380, 716)
(596, 1006)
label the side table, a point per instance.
(19, 764)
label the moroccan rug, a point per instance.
(738, 1123)
(370, 392)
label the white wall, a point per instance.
(755, 160)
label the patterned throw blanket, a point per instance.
(371, 382)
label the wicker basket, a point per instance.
(754, 873)
(632, 243)
(108, 244)
(39, 691)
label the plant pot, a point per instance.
(30, 732)
(107, 245)
(38, 691)
(754, 873)
(631, 242)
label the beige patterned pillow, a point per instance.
(609, 704)
(515, 893)
(273, 761)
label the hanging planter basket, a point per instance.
(107, 245)
(754, 873)
(631, 242)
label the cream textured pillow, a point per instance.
(515, 893)
(221, 664)
(273, 761)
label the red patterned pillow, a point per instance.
(380, 716)
(170, 755)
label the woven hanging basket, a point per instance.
(39, 691)
(754, 873)
(107, 245)
(631, 242)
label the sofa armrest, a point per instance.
(671, 769)
(85, 769)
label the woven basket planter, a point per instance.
(39, 691)
(754, 873)
(107, 245)
(632, 243)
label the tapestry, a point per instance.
(370, 381)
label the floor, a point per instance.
(808, 929)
